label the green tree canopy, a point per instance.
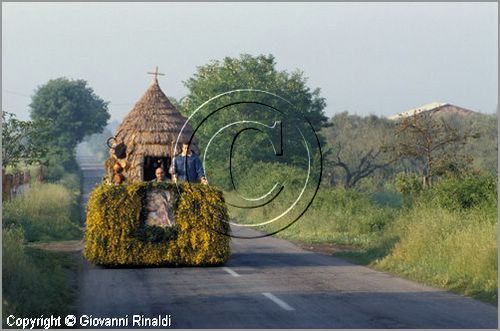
(19, 143)
(256, 73)
(73, 111)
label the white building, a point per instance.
(437, 107)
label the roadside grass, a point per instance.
(456, 250)
(46, 212)
(444, 237)
(36, 282)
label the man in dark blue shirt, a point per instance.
(187, 167)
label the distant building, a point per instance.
(435, 107)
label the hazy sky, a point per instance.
(366, 57)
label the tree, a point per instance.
(259, 73)
(73, 111)
(355, 148)
(432, 143)
(19, 141)
(483, 150)
(249, 72)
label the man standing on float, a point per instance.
(187, 167)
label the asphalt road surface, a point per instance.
(271, 283)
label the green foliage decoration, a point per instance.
(116, 215)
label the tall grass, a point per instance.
(451, 249)
(448, 238)
(45, 212)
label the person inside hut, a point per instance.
(160, 175)
(187, 167)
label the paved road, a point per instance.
(271, 283)
(93, 173)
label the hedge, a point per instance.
(116, 233)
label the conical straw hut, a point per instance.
(149, 133)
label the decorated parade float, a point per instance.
(135, 220)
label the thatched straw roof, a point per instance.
(150, 129)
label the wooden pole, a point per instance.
(27, 177)
(39, 174)
(7, 187)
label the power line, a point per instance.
(16, 93)
(29, 97)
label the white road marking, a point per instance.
(278, 301)
(231, 272)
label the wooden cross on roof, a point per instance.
(156, 74)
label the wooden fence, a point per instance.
(16, 183)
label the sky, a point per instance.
(367, 58)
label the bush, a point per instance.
(45, 212)
(467, 192)
(117, 213)
(267, 174)
(336, 215)
(53, 171)
(408, 184)
(71, 181)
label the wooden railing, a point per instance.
(16, 183)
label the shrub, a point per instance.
(268, 174)
(336, 215)
(408, 183)
(116, 214)
(71, 181)
(53, 171)
(466, 192)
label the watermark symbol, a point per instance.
(70, 320)
(90, 321)
(279, 128)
